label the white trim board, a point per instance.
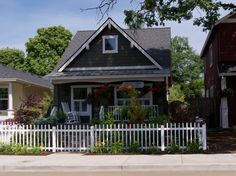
(107, 23)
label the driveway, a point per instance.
(222, 141)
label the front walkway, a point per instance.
(71, 162)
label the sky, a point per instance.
(20, 20)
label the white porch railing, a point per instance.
(120, 115)
(84, 138)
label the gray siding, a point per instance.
(94, 57)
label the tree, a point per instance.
(176, 94)
(14, 58)
(45, 49)
(187, 68)
(157, 12)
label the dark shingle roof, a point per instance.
(155, 41)
(82, 73)
(10, 73)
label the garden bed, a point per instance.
(21, 150)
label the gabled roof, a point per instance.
(10, 74)
(149, 41)
(222, 20)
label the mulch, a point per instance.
(221, 141)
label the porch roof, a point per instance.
(110, 74)
(8, 74)
(81, 73)
(227, 68)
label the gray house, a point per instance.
(97, 62)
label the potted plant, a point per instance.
(227, 92)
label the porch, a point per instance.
(95, 100)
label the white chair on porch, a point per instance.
(72, 116)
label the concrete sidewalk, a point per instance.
(80, 162)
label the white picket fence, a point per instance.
(83, 138)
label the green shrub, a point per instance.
(100, 148)
(234, 128)
(174, 149)
(108, 119)
(134, 148)
(193, 147)
(52, 120)
(153, 150)
(160, 120)
(95, 121)
(116, 147)
(19, 150)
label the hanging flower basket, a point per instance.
(228, 92)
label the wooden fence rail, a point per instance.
(83, 138)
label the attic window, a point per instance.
(110, 44)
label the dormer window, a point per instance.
(110, 44)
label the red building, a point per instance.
(219, 56)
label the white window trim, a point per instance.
(103, 44)
(89, 109)
(5, 87)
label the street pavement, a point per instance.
(75, 162)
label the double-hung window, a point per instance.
(3, 99)
(79, 100)
(110, 44)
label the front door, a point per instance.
(79, 103)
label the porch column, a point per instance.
(10, 111)
(224, 121)
(167, 88)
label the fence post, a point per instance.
(54, 147)
(162, 138)
(204, 137)
(91, 138)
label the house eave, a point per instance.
(110, 78)
(6, 80)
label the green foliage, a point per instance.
(60, 118)
(116, 147)
(19, 150)
(100, 148)
(108, 118)
(153, 150)
(160, 120)
(228, 92)
(14, 58)
(157, 12)
(174, 149)
(95, 121)
(176, 94)
(136, 113)
(187, 69)
(45, 49)
(234, 128)
(134, 148)
(193, 147)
